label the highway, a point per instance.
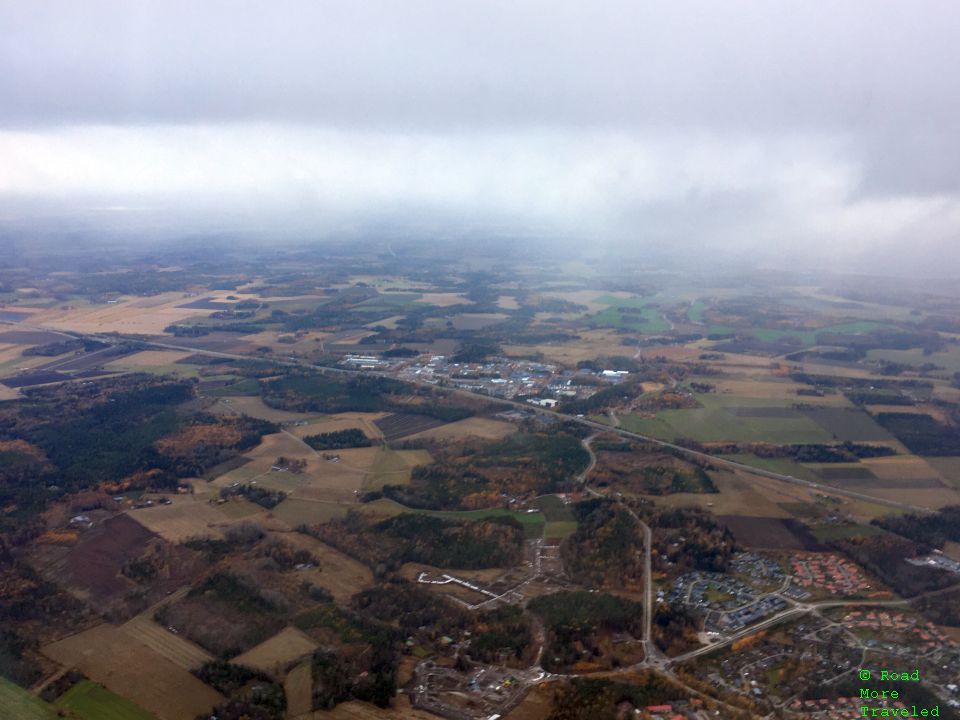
(685, 451)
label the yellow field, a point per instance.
(592, 343)
(933, 498)
(338, 477)
(174, 648)
(188, 516)
(900, 467)
(393, 467)
(147, 316)
(12, 359)
(741, 494)
(111, 657)
(341, 421)
(484, 428)
(298, 687)
(340, 574)
(276, 652)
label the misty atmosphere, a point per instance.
(481, 361)
(788, 133)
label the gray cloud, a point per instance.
(760, 123)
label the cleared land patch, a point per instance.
(298, 687)
(278, 651)
(394, 467)
(339, 573)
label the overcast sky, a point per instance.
(791, 128)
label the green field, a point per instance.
(826, 533)
(649, 319)
(559, 530)
(809, 337)
(560, 521)
(554, 509)
(721, 330)
(297, 511)
(245, 386)
(19, 704)
(89, 701)
(731, 418)
(784, 466)
(948, 360)
(695, 311)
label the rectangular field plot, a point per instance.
(400, 425)
(843, 472)
(286, 646)
(298, 511)
(88, 701)
(484, 428)
(770, 533)
(948, 467)
(847, 424)
(783, 466)
(731, 418)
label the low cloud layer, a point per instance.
(797, 130)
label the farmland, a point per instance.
(89, 701)
(728, 418)
(399, 425)
(22, 704)
(278, 651)
(386, 475)
(133, 671)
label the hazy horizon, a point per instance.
(781, 133)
